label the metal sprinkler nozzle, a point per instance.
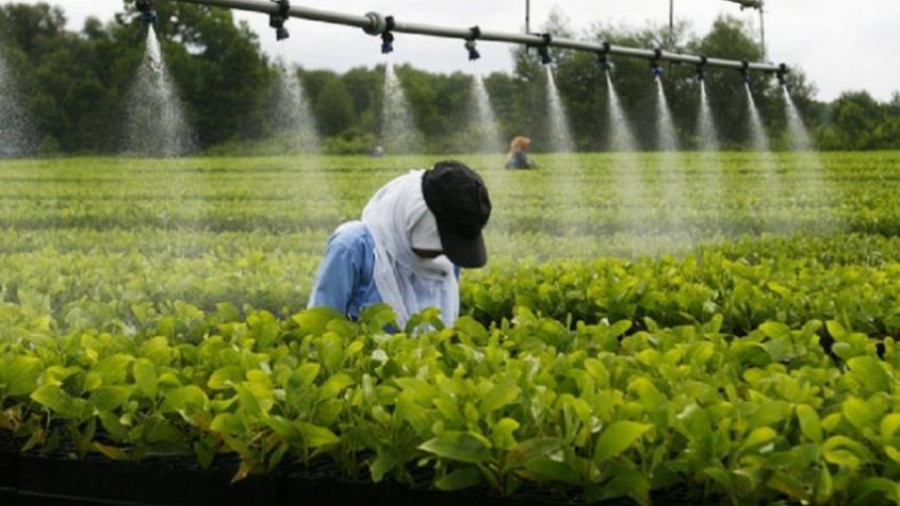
(544, 49)
(387, 43)
(701, 70)
(782, 74)
(277, 19)
(148, 14)
(470, 43)
(655, 69)
(603, 58)
(387, 38)
(605, 65)
(473, 52)
(745, 72)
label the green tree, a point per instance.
(856, 118)
(333, 107)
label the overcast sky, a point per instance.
(842, 45)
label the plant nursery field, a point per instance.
(722, 324)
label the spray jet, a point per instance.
(148, 14)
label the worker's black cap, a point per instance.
(457, 197)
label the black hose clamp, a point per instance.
(474, 33)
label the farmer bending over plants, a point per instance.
(415, 234)
(518, 156)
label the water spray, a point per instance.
(277, 19)
(148, 13)
(470, 44)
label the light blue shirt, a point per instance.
(346, 280)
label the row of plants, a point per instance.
(119, 282)
(705, 198)
(851, 279)
(599, 411)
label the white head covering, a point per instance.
(425, 235)
(405, 281)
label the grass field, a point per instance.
(644, 320)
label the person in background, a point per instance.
(518, 158)
(415, 234)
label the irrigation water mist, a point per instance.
(567, 167)
(399, 134)
(626, 171)
(808, 177)
(799, 134)
(296, 134)
(484, 131)
(156, 128)
(764, 161)
(16, 137)
(483, 136)
(706, 125)
(155, 121)
(295, 125)
(708, 143)
(670, 167)
(559, 121)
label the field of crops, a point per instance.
(728, 325)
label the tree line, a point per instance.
(75, 86)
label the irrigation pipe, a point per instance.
(376, 24)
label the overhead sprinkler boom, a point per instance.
(375, 24)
